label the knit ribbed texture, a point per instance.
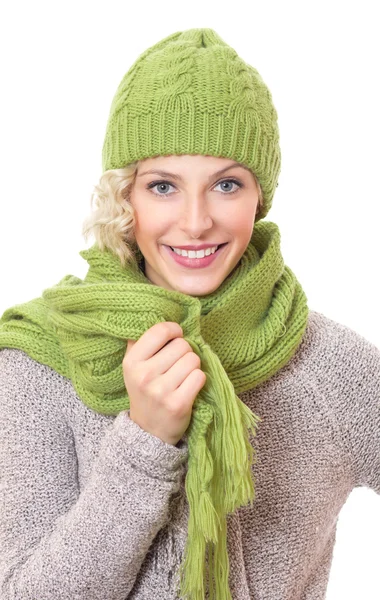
(191, 93)
(92, 507)
(243, 332)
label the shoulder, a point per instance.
(345, 369)
(335, 350)
(14, 361)
(18, 368)
(28, 387)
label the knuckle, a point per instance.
(183, 344)
(196, 358)
(203, 374)
(157, 392)
(174, 409)
(168, 327)
(171, 327)
(142, 378)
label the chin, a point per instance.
(192, 290)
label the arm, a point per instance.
(357, 387)
(57, 543)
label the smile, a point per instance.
(195, 263)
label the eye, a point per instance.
(163, 184)
(234, 181)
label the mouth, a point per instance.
(196, 263)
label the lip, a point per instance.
(195, 263)
(195, 247)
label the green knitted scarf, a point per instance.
(244, 332)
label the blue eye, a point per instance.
(160, 183)
(240, 185)
(164, 183)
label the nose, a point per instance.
(195, 217)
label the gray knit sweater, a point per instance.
(92, 507)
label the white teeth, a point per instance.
(195, 253)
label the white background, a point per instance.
(60, 66)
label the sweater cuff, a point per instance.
(148, 452)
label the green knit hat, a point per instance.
(191, 93)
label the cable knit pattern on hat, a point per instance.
(191, 93)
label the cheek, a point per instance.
(149, 216)
(150, 224)
(241, 225)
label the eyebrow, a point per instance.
(179, 178)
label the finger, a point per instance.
(190, 387)
(174, 377)
(165, 358)
(154, 338)
(130, 344)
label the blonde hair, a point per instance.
(113, 220)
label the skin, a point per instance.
(202, 207)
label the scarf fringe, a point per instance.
(219, 477)
(244, 332)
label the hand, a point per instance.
(163, 377)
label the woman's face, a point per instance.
(192, 203)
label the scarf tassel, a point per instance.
(219, 477)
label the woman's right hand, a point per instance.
(162, 376)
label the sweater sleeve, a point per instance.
(55, 542)
(357, 388)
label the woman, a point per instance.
(181, 426)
